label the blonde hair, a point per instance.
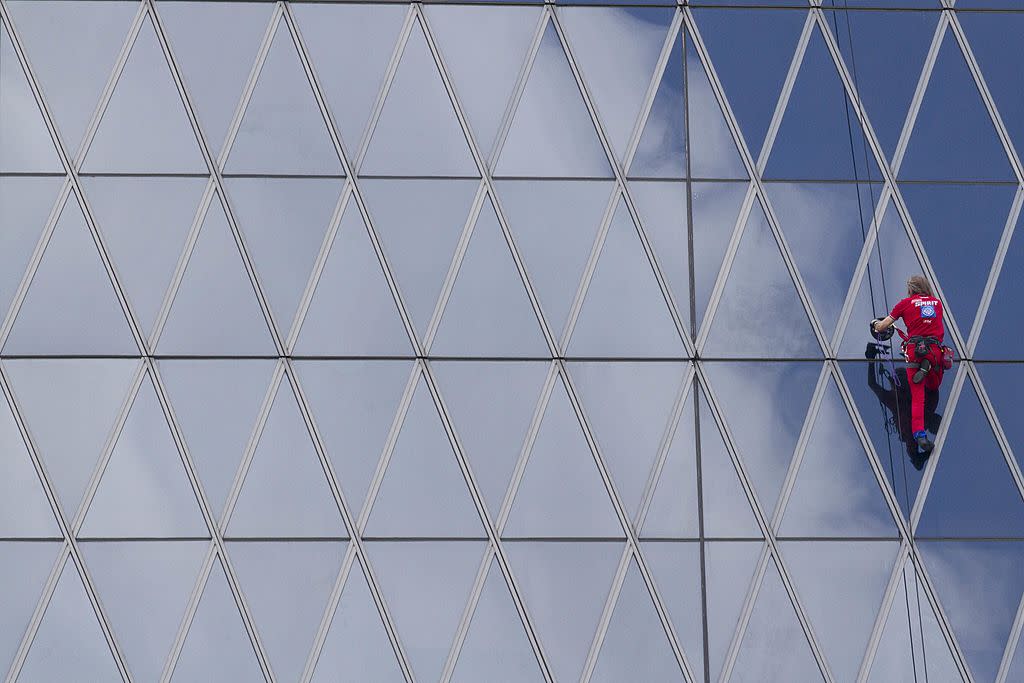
(918, 284)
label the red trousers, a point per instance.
(930, 382)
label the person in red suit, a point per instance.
(921, 312)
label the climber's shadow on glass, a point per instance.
(894, 395)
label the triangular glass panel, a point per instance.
(673, 507)
(883, 284)
(552, 134)
(26, 566)
(727, 512)
(492, 405)
(980, 586)
(840, 585)
(884, 407)
(354, 405)
(751, 50)
(826, 264)
(961, 256)
(24, 205)
(628, 407)
(835, 493)
(617, 49)
(145, 621)
(70, 407)
(661, 150)
(884, 53)
(774, 647)
(426, 587)
(972, 492)
(636, 646)
(70, 306)
(952, 95)
(1016, 664)
(904, 652)
(352, 311)
(282, 129)
(662, 210)
(716, 208)
(625, 312)
(287, 586)
(762, 399)
(216, 403)
(144, 223)
(419, 223)
(759, 292)
(214, 47)
(712, 148)
(423, 492)
(144, 126)
(561, 492)
(285, 492)
(284, 221)
(993, 40)
(25, 143)
(488, 312)
(217, 645)
(729, 570)
(484, 87)
(675, 568)
(350, 45)
(144, 491)
(357, 646)
(564, 586)
(554, 225)
(90, 36)
(1001, 324)
(1003, 383)
(69, 643)
(496, 643)
(24, 510)
(820, 137)
(432, 142)
(215, 310)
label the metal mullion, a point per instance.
(940, 438)
(611, 600)
(997, 428)
(764, 523)
(483, 168)
(70, 549)
(49, 586)
(882, 618)
(925, 582)
(70, 166)
(191, 607)
(683, 394)
(350, 167)
(666, 292)
(318, 267)
(753, 590)
(810, 420)
(216, 175)
(333, 602)
(78, 518)
(33, 263)
(995, 271)
(492, 531)
(467, 614)
(455, 266)
(623, 517)
(353, 525)
(1012, 643)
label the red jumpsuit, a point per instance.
(923, 317)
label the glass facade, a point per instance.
(507, 341)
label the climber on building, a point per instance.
(926, 357)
